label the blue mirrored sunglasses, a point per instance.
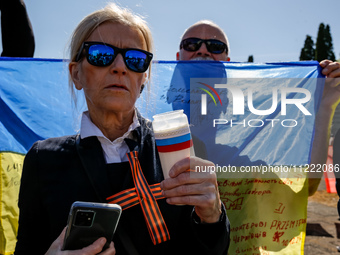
(103, 54)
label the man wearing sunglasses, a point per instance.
(204, 41)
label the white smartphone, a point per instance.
(89, 221)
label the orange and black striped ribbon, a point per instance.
(128, 198)
(146, 196)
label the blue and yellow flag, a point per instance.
(254, 121)
(34, 105)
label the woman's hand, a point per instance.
(197, 188)
(92, 249)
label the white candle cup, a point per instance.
(173, 138)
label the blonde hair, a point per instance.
(110, 13)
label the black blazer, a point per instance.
(59, 171)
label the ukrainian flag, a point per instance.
(35, 104)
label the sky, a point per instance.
(270, 30)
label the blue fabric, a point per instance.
(36, 103)
(244, 145)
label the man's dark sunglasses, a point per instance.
(103, 54)
(213, 46)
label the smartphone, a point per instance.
(89, 221)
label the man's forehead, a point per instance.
(205, 31)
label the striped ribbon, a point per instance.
(146, 196)
(129, 198)
(174, 144)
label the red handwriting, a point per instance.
(286, 182)
(277, 235)
(285, 224)
(257, 192)
(249, 225)
(226, 194)
(295, 240)
(255, 250)
(237, 193)
(248, 181)
(233, 204)
(250, 236)
(280, 209)
(230, 183)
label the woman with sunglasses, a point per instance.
(115, 156)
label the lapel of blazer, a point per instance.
(92, 159)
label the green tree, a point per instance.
(320, 51)
(329, 44)
(251, 59)
(324, 45)
(308, 52)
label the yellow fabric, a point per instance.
(267, 216)
(10, 175)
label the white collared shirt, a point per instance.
(114, 152)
